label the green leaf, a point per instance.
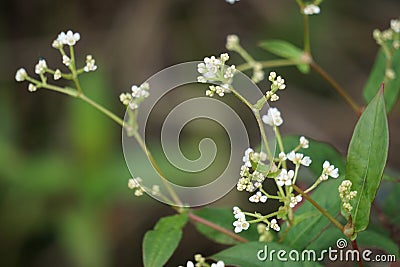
(160, 243)
(286, 50)
(224, 218)
(305, 231)
(366, 159)
(377, 240)
(253, 253)
(377, 76)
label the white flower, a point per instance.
(240, 225)
(242, 184)
(134, 183)
(219, 263)
(273, 117)
(246, 157)
(295, 200)
(188, 264)
(298, 158)
(90, 64)
(232, 41)
(32, 87)
(66, 60)
(304, 143)
(311, 9)
(282, 156)
(57, 44)
(213, 69)
(140, 92)
(231, 2)
(285, 177)
(258, 197)
(328, 170)
(395, 25)
(41, 66)
(21, 75)
(125, 98)
(71, 38)
(274, 97)
(155, 190)
(272, 76)
(274, 225)
(57, 75)
(279, 83)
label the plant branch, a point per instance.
(271, 63)
(318, 207)
(216, 227)
(338, 89)
(355, 247)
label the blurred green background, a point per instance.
(64, 199)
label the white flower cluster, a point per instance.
(304, 143)
(273, 117)
(232, 41)
(70, 38)
(285, 177)
(389, 36)
(201, 262)
(240, 223)
(135, 184)
(249, 181)
(299, 159)
(232, 1)
(346, 195)
(311, 9)
(295, 200)
(41, 67)
(277, 83)
(258, 197)
(138, 95)
(21, 75)
(328, 170)
(395, 25)
(213, 70)
(274, 225)
(90, 64)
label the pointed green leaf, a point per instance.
(253, 254)
(377, 76)
(286, 50)
(366, 159)
(160, 243)
(224, 218)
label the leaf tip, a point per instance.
(381, 88)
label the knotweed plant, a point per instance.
(307, 211)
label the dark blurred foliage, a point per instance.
(63, 194)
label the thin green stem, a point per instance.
(306, 29)
(263, 218)
(346, 97)
(216, 227)
(142, 144)
(271, 63)
(318, 207)
(101, 109)
(313, 186)
(268, 195)
(280, 144)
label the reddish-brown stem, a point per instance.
(216, 227)
(355, 247)
(338, 89)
